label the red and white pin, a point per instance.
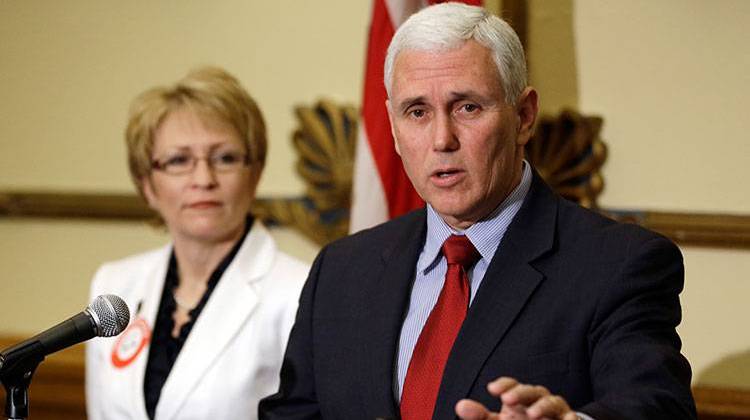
(131, 343)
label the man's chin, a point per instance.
(457, 217)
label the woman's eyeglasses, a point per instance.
(184, 163)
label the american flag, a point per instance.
(381, 189)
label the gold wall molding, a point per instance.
(566, 150)
(719, 403)
(695, 229)
(692, 229)
(74, 205)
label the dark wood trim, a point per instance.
(718, 403)
(57, 390)
(694, 229)
(74, 205)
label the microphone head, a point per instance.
(110, 314)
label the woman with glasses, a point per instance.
(211, 311)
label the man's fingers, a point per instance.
(549, 406)
(500, 385)
(571, 416)
(532, 401)
(472, 410)
(524, 394)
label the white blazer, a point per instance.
(231, 358)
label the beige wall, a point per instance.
(46, 266)
(715, 314)
(68, 71)
(550, 51)
(670, 79)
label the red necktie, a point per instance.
(436, 339)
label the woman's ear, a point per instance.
(148, 192)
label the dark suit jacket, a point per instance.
(571, 300)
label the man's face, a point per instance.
(460, 143)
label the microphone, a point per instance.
(106, 316)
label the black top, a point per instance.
(165, 348)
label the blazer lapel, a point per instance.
(507, 286)
(226, 311)
(147, 309)
(383, 317)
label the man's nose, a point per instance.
(444, 133)
(203, 174)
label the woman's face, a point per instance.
(208, 201)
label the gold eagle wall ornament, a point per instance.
(568, 153)
(325, 142)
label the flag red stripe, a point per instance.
(398, 190)
(400, 194)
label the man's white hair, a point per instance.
(448, 26)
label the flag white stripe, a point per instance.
(369, 204)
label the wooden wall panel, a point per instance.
(57, 391)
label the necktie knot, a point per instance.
(458, 249)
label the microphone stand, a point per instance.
(16, 374)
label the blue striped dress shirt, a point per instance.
(485, 235)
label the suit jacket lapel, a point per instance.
(231, 303)
(507, 286)
(383, 317)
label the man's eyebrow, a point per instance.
(455, 96)
(406, 103)
(469, 94)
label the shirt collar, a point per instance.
(485, 235)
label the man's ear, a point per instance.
(527, 108)
(393, 127)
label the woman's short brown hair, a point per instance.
(209, 91)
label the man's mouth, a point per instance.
(445, 172)
(447, 177)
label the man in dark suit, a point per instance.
(499, 300)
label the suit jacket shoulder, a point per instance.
(384, 236)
